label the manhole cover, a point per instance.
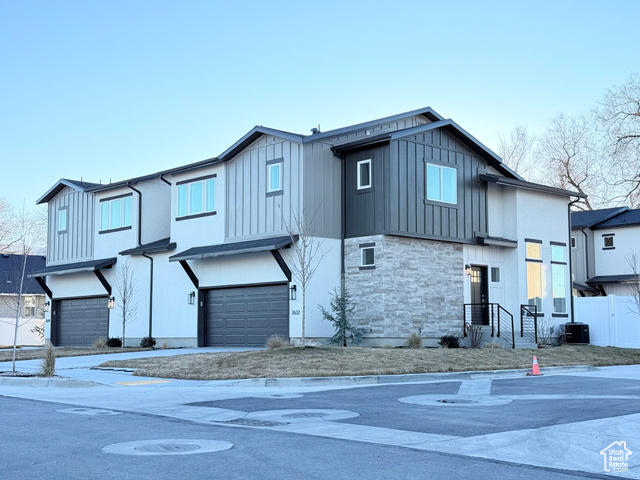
(305, 415)
(88, 411)
(167, 447)
(255, 423)
(457, 401)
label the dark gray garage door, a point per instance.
(246, 316)
(82, 320)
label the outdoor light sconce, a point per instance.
(292, 290)
(111, 303)
(467, 269)
(47, 306)
(192, 298)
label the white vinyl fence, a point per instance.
(613, 321)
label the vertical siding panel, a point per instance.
(393, 182)
(420, 189)
(402, 187)
(412, 199)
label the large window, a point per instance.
(196, 197)
(442, 184)
(364, 174)
(115, 213)
(534, 273)
(558, 277)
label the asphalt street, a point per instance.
(113, 425)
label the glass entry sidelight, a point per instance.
(479, 296)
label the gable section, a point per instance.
(384, 127)
(263, 187)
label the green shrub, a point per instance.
(114, 342)
(414, 341)
(148, 342)
(449, 341)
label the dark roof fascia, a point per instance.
(497, 241)
(576, 215)
(361, 142)
(236, 248)
(512, 182)
(495, 160)
(426, 111)
(584, 288)
(255, 133)
(628, 278)
(60, 184)
(164, 245)
(78, 267)
(620, 220)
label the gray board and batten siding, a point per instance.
(76, 242)
(397, 203)
(323, 172)
(251, 212)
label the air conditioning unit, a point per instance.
(576, 332)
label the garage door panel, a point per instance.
(82, 320)
(246, 316)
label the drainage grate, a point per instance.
(255, 423)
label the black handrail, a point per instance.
(497, 317)
(529, 311)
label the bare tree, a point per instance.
(570, 158)
(126, 289)
(618, 117)
(7, 227)
(516, 151)
(308, 256)
(633, 260)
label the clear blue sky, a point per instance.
(114, 89)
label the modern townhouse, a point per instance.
(602, 242)
(424, 225)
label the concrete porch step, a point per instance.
(526, 344)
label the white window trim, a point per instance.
(362, 257)
(441, 199)
(270, 166)
(369, 183)
(188, 185)
(63, 213)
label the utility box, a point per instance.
(576, 332)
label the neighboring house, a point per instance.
(601, 244)
(33, 299)
(416, 215)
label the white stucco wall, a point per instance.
(613, 261)
(107, 245)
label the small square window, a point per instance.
(274, 177)
(367, 258)
(495, 274)
(534, 250)
(364, 174)
(607, 241)
(558, 254)
(573, 242)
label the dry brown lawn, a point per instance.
(6, 354)
(335, 361)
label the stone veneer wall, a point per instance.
(416, 286)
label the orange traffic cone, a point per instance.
(535, 370)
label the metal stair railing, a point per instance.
(490, 314)
(529, 322)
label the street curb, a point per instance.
(63, 382)
(388, 379)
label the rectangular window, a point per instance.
(534, 250)
(558, 273)
(274, 177)
(442, 184)
(607, 241)
(367, 258)
(558, 253)
(364, 174)
(62, 219)
(573, 242)
(196, 197)
(29, 307)
(534, 284)
(495, 274)
(115, 213)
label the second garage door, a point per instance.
(81, 321)
(246, 316)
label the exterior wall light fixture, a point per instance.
(292, 292)
(467, 269)
(47, 306)
(192, 298)
(111, 303)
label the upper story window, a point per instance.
(62, 220)
(608, 241)
(558, 253)
(442, 184)
(573, 242)
(115, 213)
(534, 249)
(274, 176)
(364, 174)
(534, 273)
(196, 197)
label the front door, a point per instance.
(479, 296)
